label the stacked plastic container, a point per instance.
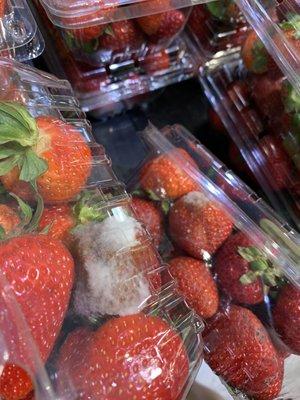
(88, 309)
(120, 51)
(19, 36)
(257, 101)
(235, 262)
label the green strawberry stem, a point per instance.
(89, 208)
(290, 98)
(259, 267)
(293, 23)
(18, 138)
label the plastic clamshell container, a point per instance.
(124, 83)
(218, 28)
(260, 139)
(67, 305)
(20, 37)
(106, 33)
(276, 23)
(172, 166)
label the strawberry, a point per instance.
(121, 35)
(225, 11)
(117, 266)
(277, 162)
(242, 269)
(165, 176)
(131, 357)
(291, 29)
(2, 8)
(59, 219)
(172, 22)
(290, 98)
(286, 314)
(255, 56)
(150, 216)
(9, 219)
(155, 62)
(151, 21)
(238, 347)
(197, 22)
(198, 225)
(87, 34)
(46, 150)
(196, 285)
(40, 272)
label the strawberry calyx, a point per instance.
(89, 208)
(219, 9)
(18, 138)
(259, 267)
(292, 24)
(290, 98)
(260, 57)
(165, 205)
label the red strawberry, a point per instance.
(9, 219)
(151, 21)
(150, 216)
(52, 152)
(117, 267)
(239, 349)
(277, 162)
(286, 315)
(128, 358)
(2, 8)
(155, 62)
(255, 55)
(40, 272)
(120, 35)
(242, 269)
(171, 23)
(196, 285)
(197, 22)
(87, 34)
(60, 221)
(198, 225)
(165, 175)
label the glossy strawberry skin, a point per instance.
(69, 163)
(9, 219)
(198, 225)
(119, 360)
(239, 349)
(165, 175)
(171, 24)
(60, 220)
(87, 34)
(150, 216)
(196, 285)
(125, 34)
(40, 272)
(277, 162)
(151, 21)
(286, 314)
(155, 62)
(229, 266)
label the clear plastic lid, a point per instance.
(75, 14)
(277, 24)
(235, 262)
(20, 37)
(79, 268)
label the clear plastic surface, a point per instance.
(20, 38)
(111, 34)
(88, 308)
(218, 28)
(235, 262)
(258, 110)
(277, 24)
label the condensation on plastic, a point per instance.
(250, 215)
(20, 37)
(244, 124)
(216, 37)
(265, 18)
(118, 272)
